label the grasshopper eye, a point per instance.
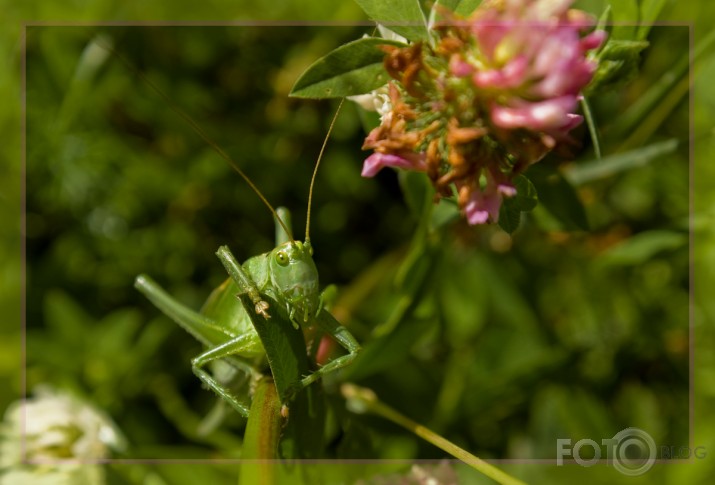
(282, 258)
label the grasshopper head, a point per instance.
(295, 278)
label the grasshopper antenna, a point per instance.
(315, 170)
(199, 131)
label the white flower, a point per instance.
(53, 426)
(377, 100)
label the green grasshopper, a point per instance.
(286, 275)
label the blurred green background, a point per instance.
(509, 342)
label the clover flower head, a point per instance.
(493, 94)
(532, 57)
(54, 425)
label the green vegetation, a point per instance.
(574, 326)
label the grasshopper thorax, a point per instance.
(294, 278)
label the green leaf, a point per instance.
(592, 128)
(634, 18)
(618, 63)
(526, 197)
(625, 16)
(558, 196)
(623, 49)
(450, 5)
(649, 11)
(509, 216)
(466, 7)
(351, 69)
(284, 344)
(603, 19)
(303, 435)
(643, 246)
(444, 213)
(585, 172)
(404, 17)
(460, 7)
(524, 201)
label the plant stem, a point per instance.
(260, 443)
(362, 400)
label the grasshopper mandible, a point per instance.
(287, 274)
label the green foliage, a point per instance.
(588, 171)
(525, 200)
(649, 13)
(619, 59)
(618, 63)
(643, 247)
(625, 15)
(500, 343)
(465, 7)
(633, 19)
(284, 344)
(354, 68)
(558, 196)
(405, 17)
(460, 7)
(663, 87)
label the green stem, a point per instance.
(591, 127)
(260, 443)
(362, 400)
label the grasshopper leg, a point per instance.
(194, 323)
(243, 281)
(329, 324)
(198, 325)
(227, 349)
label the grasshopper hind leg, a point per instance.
(206, 331)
